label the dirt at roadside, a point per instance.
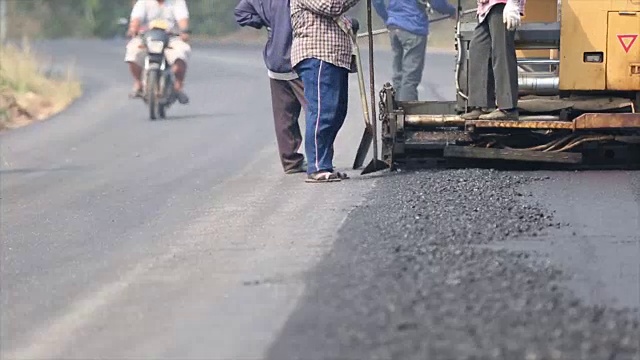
(17, 111)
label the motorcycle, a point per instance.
(158, 78)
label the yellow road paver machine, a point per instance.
(579, 96)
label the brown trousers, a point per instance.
(287, 99)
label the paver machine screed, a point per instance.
(579, 95)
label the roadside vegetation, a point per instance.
(29, 91)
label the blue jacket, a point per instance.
(275, 15)
(409, 15)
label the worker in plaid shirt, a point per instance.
(321, 55)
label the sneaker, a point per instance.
(501, 114)
(474, 114)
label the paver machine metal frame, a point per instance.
(579, 84)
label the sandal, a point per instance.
(342, 176)
(322, 177)
(135, 93)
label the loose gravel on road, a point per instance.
(409, 278)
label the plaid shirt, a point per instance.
(484, 6)
(317, 35)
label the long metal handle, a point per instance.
(361, 86)
(384, 31)
(372, 85)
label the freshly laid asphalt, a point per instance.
(420, 271)
(126, 238)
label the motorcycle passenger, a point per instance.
(176, 14)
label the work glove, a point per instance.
(511, 15)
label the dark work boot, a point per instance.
(474, 114)
(502, 114)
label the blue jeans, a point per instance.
(326, 89)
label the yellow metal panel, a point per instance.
(583, 29)
(539, 11)
(623, 51)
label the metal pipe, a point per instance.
(538, 83)
(434, 20)
(373, 33)
(440, 120)
(449, 120)
(537, 46)
(538, 62)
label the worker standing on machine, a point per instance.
(408, 25)
(493, 66)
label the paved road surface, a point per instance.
(125, 238)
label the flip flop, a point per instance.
(322, 177)
(342, 176)
(135, 93)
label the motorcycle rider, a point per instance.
(176, 13)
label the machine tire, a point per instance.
(152, 88)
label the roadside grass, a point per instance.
(30, 89)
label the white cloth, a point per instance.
(282, 76)
(172, 11)
(179, 50)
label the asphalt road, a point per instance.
(124, 238)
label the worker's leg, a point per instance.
(505, 67)
(286, 111)
(480, 74)
(297, 86)
(135, 58)
(342, 88)
(398, 55)
(177, 56)
(414, 47)
(322, 88)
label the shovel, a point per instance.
(375, 164)
(368, 135)
(370, 130)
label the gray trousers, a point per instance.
(493, 67)
(287, 100)
(408, 63)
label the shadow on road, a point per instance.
(199, 116)
(36, 170)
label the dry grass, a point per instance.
(27, 92)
